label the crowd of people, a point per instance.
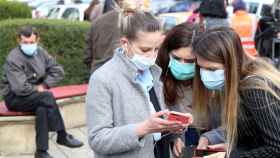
(139, 74)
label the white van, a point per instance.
(255, 6)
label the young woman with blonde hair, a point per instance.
(125, 105)
(250, 94)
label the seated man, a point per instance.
(28, 72)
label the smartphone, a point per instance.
(206, 152)
(185, 118)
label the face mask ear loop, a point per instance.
(166, 72)
(126, 48)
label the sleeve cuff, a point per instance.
(234, 154)
(133, 138)
(46, 86)
(213, 137)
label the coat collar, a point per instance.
(128, 68)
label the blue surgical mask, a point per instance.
(142, 62)
(213, 80)
(181, 71)
(29, 49)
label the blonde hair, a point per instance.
(133, 17)
(223, 45)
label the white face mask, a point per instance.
(142, 62)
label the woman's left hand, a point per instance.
(216, 155)
(178, 147)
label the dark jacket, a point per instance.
(101, 41)
(258, 123)
(212, 8)
(21, 73)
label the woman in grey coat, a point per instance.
(125, 105)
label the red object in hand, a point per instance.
(185, 118)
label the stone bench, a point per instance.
(17, 131)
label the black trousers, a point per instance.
(48, 117)
(161, 149)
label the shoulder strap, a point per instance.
(154, 99)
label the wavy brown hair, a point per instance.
(178, 37)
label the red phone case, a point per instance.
(176, 116)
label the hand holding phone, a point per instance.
(184, 118)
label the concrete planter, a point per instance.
(17, 134)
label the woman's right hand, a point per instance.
(156, 124)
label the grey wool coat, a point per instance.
(115, 104)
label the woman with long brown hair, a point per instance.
(178, 69)
(251, 94)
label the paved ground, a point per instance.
(58, 151)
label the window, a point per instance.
(71, 14)
(53, 14)
(253, 8)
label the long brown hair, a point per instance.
(178, 37)
(223, 45)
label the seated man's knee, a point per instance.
(41, 110)
(47, 94)
(48, 100)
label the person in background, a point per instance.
(265, 32)
(93, 11)
(103, 38)
(28, 73)
(104, 35)
(245, 25)
(212, 14)
(251, 90)
(125, 107)
(178, 69)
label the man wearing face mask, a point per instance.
(28, 72)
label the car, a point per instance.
(37, 3)
(169, 20)
(256, 6)
(42, 10)
(176, 13)
(180, 6)
(158, 6)
(73, 12)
